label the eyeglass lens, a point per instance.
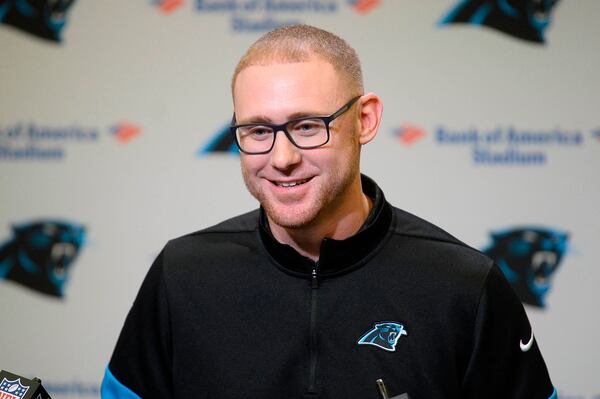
(304, 133)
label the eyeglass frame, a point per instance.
(283, 127)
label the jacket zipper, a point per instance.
(312, 372)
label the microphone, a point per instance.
(14, 386)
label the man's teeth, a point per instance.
(291, 184)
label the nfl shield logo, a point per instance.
(12, 389)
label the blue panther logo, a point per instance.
(41, 18)
(222, 142)
(529, 257)
(40, 255)
(384, 335)
(523, 19)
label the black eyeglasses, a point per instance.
(305, 133)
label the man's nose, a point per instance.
(284, 154)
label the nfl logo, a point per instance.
(12, 389)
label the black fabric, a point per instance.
(227, 313)
(335, 256)
(146, 340)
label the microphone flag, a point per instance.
(14, 386)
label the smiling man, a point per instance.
(326, 288)
(309, 193)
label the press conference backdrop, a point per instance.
(112, 141)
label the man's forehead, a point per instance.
(269, 66)
(285, 88)
(281, 56)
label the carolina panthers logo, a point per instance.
(42, 18)
(529, 257)
(384, 335)
(40, 255)
(222, 142)
(523, 19)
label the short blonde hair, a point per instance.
(297, 43)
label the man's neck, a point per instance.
(340, 224)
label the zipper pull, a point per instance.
(314, 279)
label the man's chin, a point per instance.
(289, 217)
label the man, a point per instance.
(326, 288)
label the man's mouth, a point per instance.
(288, 184)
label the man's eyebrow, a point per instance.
(297, 115)
(266, 119)
(255, 119)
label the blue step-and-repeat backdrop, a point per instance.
(113, 140)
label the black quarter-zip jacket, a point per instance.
(229, 312)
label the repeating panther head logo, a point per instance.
(40, 255)
(523, 19)
(41, 18)
(529, 258)
(384, 335)
(222, 142)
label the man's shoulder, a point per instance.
(246, 223)
(228, 243)
(436, 240)
(409, 224)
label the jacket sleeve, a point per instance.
(141, 362)
(505, 361)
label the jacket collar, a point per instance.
(336, 255)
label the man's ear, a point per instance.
(371, 109)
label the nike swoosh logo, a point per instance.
(528, 345)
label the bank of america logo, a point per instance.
(124, 132)
(364, 6)
(409, 134)
(168, 6)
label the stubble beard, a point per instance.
(323, 202)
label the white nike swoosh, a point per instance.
(528, 345)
